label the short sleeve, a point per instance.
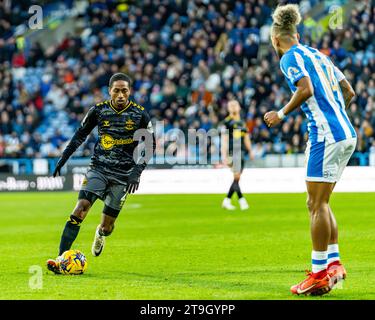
(339, 75)
(293, 67)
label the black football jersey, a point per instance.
(236, 130)
(113, 152)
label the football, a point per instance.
(73, 262)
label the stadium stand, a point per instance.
(187, 58)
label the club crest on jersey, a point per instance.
(129, 124)
(293, 72)
(106, 123)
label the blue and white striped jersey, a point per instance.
(325, 110)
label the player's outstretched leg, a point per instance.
(103, 230)
(70, 232)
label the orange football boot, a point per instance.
(316, 284)
(336, 271)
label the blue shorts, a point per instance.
(326, 162)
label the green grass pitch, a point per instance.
(183, 247)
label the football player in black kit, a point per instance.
(113, 172)
(235, 142)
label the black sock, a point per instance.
(70, 233)
(237, 189)
(231, 190)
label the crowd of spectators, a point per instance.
(186, 58)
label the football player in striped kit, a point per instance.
(323, 93)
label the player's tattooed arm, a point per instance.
(88, 123)
(347, 91)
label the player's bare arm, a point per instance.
(247, 142)
(224, 149)
(304, 91)
(347, 91)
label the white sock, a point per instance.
(333, 253)
(319, 260)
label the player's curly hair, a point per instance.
(119, 76)
(285, 20)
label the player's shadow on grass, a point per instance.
(254, 288)
(192, 280)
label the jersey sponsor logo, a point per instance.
(108, 142)
(129, 124)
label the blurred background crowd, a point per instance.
(186, 59)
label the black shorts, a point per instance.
(110, 191)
